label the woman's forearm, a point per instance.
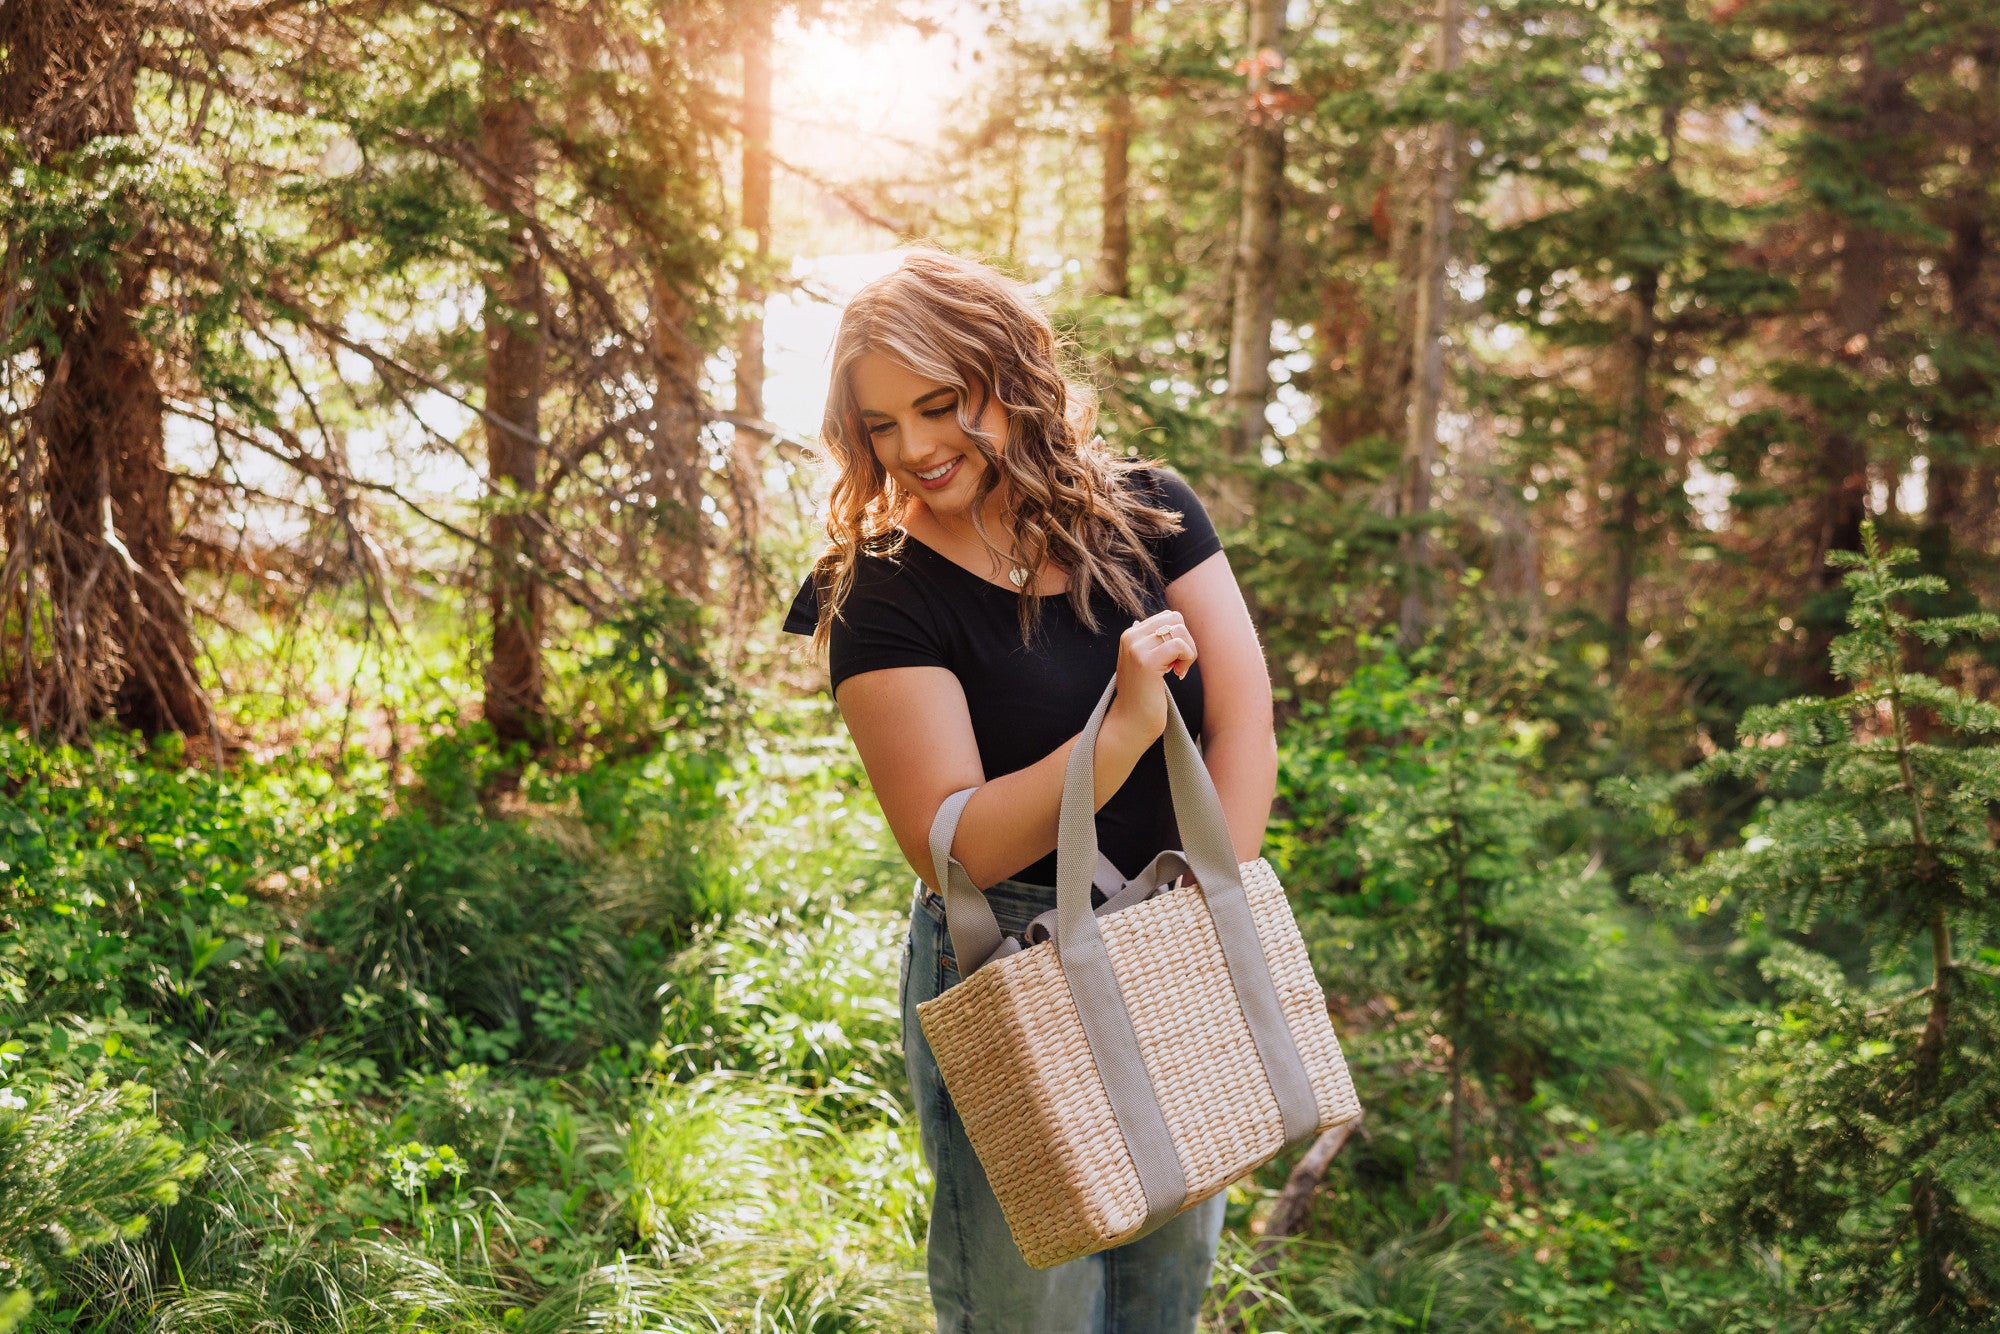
(1244, 765)
(1012, 821)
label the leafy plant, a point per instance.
(81, 1165)
(1861, 1134)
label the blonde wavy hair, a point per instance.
(962, 323)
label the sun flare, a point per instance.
(858, 103)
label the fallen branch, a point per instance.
(1288, 1216)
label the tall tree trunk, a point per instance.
(1362, 379)
(93, 456)
(1359, 354)
(1114, 137)
(1842, 464)
(1959, 431)
(746, 473)
(1427, 353)
(1255, 287)
(756, 208)
(1634, 473)
(1632, 467)
(516, 355)
(674, 454)
(1860, 288)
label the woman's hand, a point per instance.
(1145, 655)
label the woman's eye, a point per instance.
(939, 412)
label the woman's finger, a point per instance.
(1180, 650)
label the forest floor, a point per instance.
(305, 1047)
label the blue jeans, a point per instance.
(979, 1282)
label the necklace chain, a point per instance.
(1019, 574)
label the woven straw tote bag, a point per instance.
(1132, 1061)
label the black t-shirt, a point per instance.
(925, 609)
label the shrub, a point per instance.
(1861, 1135)
(80, 1166)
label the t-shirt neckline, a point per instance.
(976, 578)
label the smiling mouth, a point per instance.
(936, 473)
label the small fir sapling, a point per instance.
(1862, 1137)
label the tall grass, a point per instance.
(643, 1013)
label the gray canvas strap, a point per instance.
(1093, 986)
(1198, 809)
(975, 931)
(976, 938)
(1106, 1021)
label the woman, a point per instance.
(991, 565)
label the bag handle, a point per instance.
(976, 938)
(1100, 1004)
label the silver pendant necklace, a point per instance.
(1020, 576)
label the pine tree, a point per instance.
(96, 618)
(1862, 1134)
(1515, 964)
(1621, 270)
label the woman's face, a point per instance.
(912, 425)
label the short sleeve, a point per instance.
(1180, 552)
(803, 618)
(883, 623)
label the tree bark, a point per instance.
(1959, 433)
(1860, 288)
(104, 549)
(1255, 279)
(516, 358)
(746, 473)
(1635, 467)
(1114, 253)
(1631, 468)
(1427, 354)
(674, 457)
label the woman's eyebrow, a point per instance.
(870, 412)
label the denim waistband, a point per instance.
(1014, 902)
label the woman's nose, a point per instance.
(927, 438)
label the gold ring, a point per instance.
(1164, 632)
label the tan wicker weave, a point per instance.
(1013, 1052)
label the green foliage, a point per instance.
(1429, 879)
(1404, 802)
(791, 995)
(1415, 1282)
(471, 1040)
(1860, 1130)
(134, 888)
(649, 945)
(451, 934)
(81, 1164)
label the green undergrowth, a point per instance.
(1423, 833)
(610, 1042)
(313, 1046)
